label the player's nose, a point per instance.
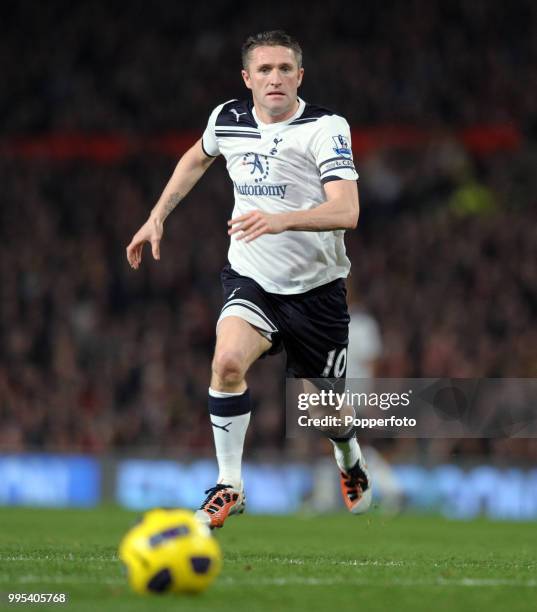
(275, 78)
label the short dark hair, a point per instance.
(272, 38)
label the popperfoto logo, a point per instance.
(414, 407)
(330, 409)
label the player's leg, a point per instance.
(355, 480)
(238, 345)
(316, 343)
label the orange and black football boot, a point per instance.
(222, 501)
(356, 488)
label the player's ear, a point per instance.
(246, 78)
(300, 76)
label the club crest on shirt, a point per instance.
(342, 146)
(276, 142)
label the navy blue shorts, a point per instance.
(312, 327)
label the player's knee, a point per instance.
(228, 367)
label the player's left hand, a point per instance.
(255, 224)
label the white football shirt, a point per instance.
(282, 167)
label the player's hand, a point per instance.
(151, 231)
(255, 224)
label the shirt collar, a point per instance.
(299, 111)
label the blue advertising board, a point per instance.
(144, 484)
(49, 480)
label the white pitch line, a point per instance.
(34, 578)
(68, 557)
(279, 560)
(369, 562)
(227, 581)
(310, 581)
(321, 561)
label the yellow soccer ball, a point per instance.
(170, 551)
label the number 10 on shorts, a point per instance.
(339, 365)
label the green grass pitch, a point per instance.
(301, 562)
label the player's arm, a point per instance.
(340, 211)
(187, 173)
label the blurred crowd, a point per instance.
(95, 356)
(164, 65)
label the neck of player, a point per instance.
(265, 117)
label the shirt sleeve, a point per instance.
(333, 151)
(209, 142)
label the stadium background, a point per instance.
(104, 372)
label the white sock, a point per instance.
(229, 433)
(347, 453)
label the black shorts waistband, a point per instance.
(338, 283)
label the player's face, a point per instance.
(274, 77)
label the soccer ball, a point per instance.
(170, 551)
